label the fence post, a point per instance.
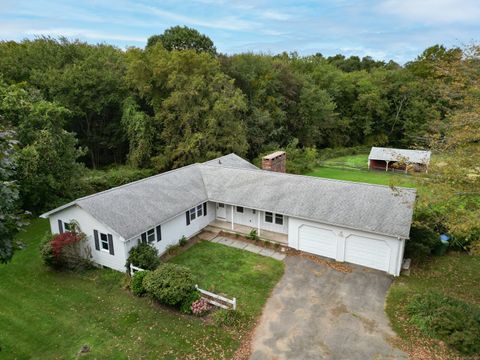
(234, 303)
(131, 270)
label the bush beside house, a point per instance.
(144, 256)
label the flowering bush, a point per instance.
(200, 307)
(66, 250)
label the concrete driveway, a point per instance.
(316, 312)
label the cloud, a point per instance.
(225, 23)
(275, 15)
(84, 33)
(433, 11)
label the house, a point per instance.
(398, 159)
(353, 222)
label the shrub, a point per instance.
(144, 256)
(172, 249)
(170, 284)
(200, 307)
(450, 320)
(66, 251)
(229, 318)
(186, 305)
(252, 235)
(422, 241)
(137, 283)
(183, 241)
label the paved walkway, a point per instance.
(249, 247)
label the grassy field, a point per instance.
(355, 168)
(50, 315)
(456, 275)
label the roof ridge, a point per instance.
(311, 177)
(134, 182)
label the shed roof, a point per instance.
(133, 208)
(406, 155)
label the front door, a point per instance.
(221, 213)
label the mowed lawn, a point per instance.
(51, 315)
(355, 168)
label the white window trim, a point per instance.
(102, 242)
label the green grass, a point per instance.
(233, 272)
(50, 315)
(355, 168)
(456, 275)
(371, 177)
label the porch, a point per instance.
(245, 230)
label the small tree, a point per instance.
(183, 38)
(67, 251)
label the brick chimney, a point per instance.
(275, 162)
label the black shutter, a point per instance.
(110, 244)
(159, 233)
(204, 209)
(144, 237)
(97, 243)
(60, 226)
(187, 214)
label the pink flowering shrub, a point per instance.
(200, 307)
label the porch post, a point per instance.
(232, 215)
(258, 223)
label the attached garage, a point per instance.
(342, 244)
(317, 240)
(368, 252)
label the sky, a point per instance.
(384, 29)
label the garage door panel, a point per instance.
(367, 252)
(318, 241)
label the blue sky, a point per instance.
(384, 29)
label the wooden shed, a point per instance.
(389, 159)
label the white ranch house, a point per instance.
(351, 222)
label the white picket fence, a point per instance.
(134, 269)
(211, 296)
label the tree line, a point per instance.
(71, 105)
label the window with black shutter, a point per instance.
(204, 209)
(187, 215)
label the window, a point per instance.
(67, 226)
(151, 235)
(268, 217)
(199, 210)
(220, 205)
(192, 214)
(104, 242)
(254, 211)
(240, 209)
(278, 219)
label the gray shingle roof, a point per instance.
(133, 208)
(374, 208)
(390, 154)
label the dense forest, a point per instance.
(67, 105)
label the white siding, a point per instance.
(87, 224)
(175, 228)
(248, 218)
(363, 248)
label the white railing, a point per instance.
(211, 296)
(134, 269)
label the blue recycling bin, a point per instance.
(441, 248)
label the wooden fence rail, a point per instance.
(134, 269)
(223, 301)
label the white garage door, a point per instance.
(367, 252)
(318, 241)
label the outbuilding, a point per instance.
(390, 159)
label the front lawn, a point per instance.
(51, 315)
(455, 275)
